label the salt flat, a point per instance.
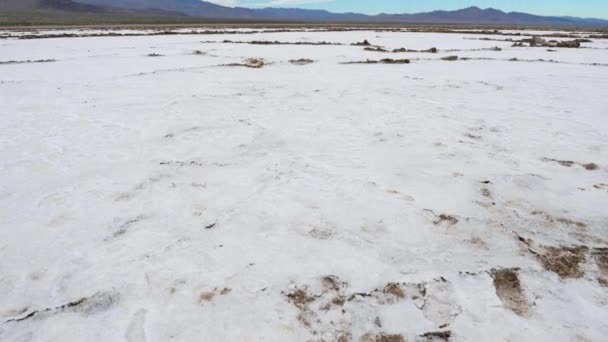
(183, 198)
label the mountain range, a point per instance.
(207, 10)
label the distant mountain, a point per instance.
(476, 15)
(62, 5)
(203, 9)
(71, 6)
(296, 14)
(194, 8)
(471, 15)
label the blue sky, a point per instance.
(581, 8)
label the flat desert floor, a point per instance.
(252, 185)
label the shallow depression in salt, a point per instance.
(189, 197)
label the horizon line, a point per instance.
(400, 13)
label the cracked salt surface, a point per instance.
(174, 198)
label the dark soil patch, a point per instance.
(338, 301)
(449, 58)
(28, 61)
(394, 61)
(561, 220)
(438, 336)
(375, 49)
(478, 59)
(382, 337)
(508, 289)
(206, 296)
(345, 337)
(180, 163)
(87, 305)
(566, 163)
(300, 298)
(567, 44)
(538, 41)
(564, 261)
(363, 43)
(590, 166)
(445, 218)
(394, 289)
(276, 42)
(569, 163)
(301, 61)
(570, 222)
(431, 50)
(332, 283)
(254, 63)
(154, 54)
(601, 257)
(382, 61)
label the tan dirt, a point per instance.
(565, 261)
(509, 291)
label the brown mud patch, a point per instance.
(601, 258)
(394, 289)
(329, 308)
(451, 220)
(431, 50)
(564, 261)
(381, 61)
(509, 291)
(300, 297)
(550, 219)
(590, 166)
(376, 49)
(362, 43)
(254, 63)
(276, 42)
(98, 302)
(208, 296)
(382, 337)
(28, 61)
(570, 163)
(436, 336)
(301, 61)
